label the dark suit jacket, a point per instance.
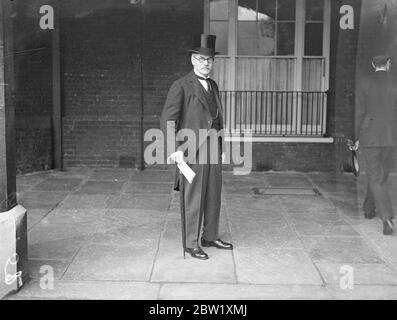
(376, 111)
(187, 107)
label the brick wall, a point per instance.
(102, 86)
(33, 85)
(343, 82)
(102, 77)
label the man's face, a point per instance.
(202, 64)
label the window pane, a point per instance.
(256, 38)
(219, 10)
(220, 29)
(247, 10)
(286, 10)
(314, 10)
(247, 36)
(314, 39)
(285, 39)
(267, 9)
(266, 38)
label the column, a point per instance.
(13, 226)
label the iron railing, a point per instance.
(275, 113)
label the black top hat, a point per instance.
(204, 44)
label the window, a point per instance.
(219, 20)
(314, 27)
(266, 28)
(274, 63)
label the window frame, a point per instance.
(299, 52)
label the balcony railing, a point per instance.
(275, 113)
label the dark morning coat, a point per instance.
(376, 111)
(187, 106)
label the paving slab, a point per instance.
(112, 262)
(31, 179)
(330, 188)
(278, 266)
(340, 250)
(112, 175)
(41, 199)
(60, 249)
(170, 265)
(145, 202)
(125, 242)
(286, 180)
(81, 173)
(58, 184)
(147, 235)
(256, 237)
(21, 189)
(91, 290)
(101, 187)
(304, 204)
(154, 176)
(39, 268)
(35, 215)
(387, 245)
(352, 204)
(362, 273)
(267, 222)
(312, 224)
(250, 203)
(85, 201)
(149, 187)
(188, 291)
(242, 188)
(365, 292)
(66, 224)
(133, 217)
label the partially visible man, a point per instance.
(193, 103)
(376, 135)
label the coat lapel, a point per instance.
(218, 102)
(198, 90)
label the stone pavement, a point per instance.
(115, 234)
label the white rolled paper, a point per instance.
(186, 171)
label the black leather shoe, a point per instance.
(197, 253)
(217, 244)
(388, 227)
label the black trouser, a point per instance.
(378, 162)
(202, 199)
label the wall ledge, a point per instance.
(267, 139)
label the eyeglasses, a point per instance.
(202, 59)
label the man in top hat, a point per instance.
(376, 134)
(193, 103)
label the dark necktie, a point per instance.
(206, 80)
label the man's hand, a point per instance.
(356, 145)
(176, 157)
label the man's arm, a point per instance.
(173, 106)
(361, 108)
(171, 114)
